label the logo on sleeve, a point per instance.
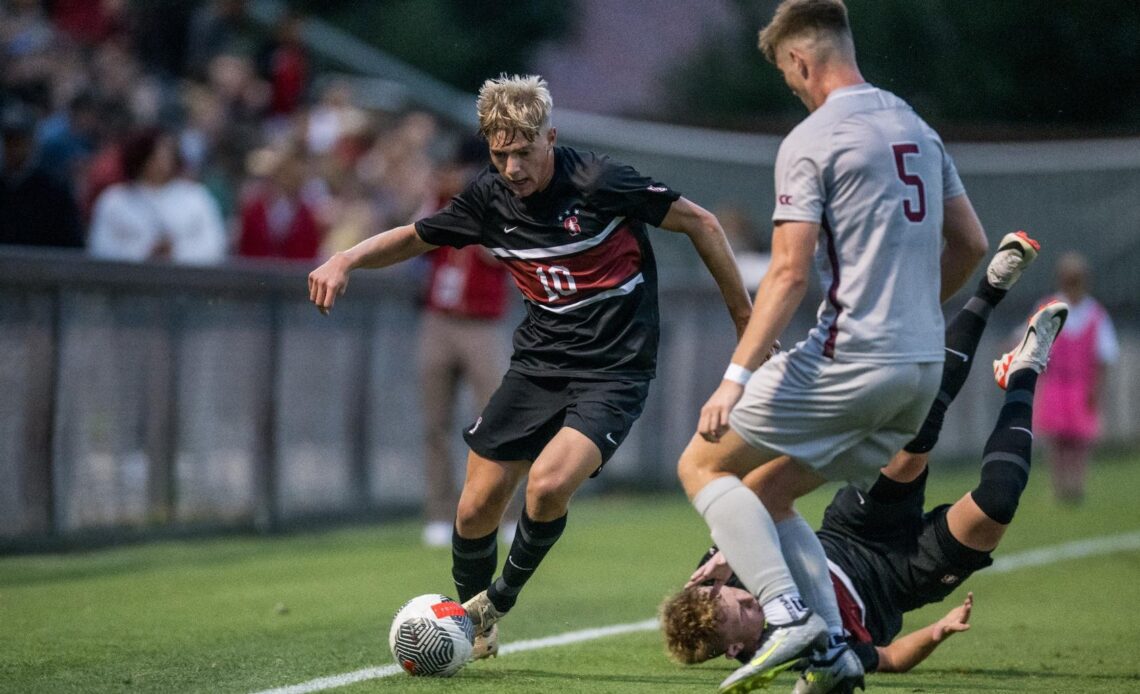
(657, 189)
(785, 199)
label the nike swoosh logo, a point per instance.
(965, 357)
(520, 568)
(507, 230)
(610, 438)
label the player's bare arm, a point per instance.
(330, 280)
(780, 294)
(708, 238)
(910, 650)
(966, 244)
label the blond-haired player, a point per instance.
(570, 226)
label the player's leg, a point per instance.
(1016, 251)
(593, 417)
(487, 490)
(438, 389)
(979, 519)
(483, 359)
(750, 540)
(505, 438)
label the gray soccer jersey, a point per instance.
(873, 175)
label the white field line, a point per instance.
(1078, 549)
(1035, 557)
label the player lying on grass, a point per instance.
(886, 557)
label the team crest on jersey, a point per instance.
(950, 579)
(570, 222)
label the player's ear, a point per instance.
(733, 650)
(551, 135)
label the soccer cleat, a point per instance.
(841, 672)
(487, 645)
(1015, 253)
(781, 648)
(483, 614)
(1033, 352)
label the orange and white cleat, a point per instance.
(1015, 252)
(1033, 352)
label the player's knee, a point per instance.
(694, 470)
(548, 491)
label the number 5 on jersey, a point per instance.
(913, 213)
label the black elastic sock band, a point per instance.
(473, 562)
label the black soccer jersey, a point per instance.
(579, 253)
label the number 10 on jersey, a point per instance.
(557, 281)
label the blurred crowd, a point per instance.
(182, 130)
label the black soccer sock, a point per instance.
(962, 336)
(1005, 462)
(473, 563)
(533, 540)
(888, 491)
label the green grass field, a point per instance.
(247, 614)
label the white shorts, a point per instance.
(845, 420)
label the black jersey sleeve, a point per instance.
(620, 189)
(459, 223)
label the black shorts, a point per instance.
(526, 412)
(897, 557)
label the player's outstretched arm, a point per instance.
(330, 280)
(966, 244)
(903, 654)
(704, 230)
(780, 294)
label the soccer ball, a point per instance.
(431, 635)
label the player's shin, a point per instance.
(743, 530)
(533, 539)
(808, 565)
(1005, 463)
(473, 563)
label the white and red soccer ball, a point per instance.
(431, 636)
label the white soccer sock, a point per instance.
(744, 531)
(808, 565)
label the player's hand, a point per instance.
(956, 620)
(716, 569)
(714, 415)
(328, 282)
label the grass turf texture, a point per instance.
(251, 613)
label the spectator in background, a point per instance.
(400, 167)
(284, 63)
(36, 209)
(155, 214)
(1067, 414)
(277, 222)
(217, 27)
(69, 137)
(459, 342)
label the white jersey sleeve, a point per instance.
(800, 193)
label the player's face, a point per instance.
(526, 166)
(740, 621)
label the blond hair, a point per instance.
(806, 18)
(689, 623)
(514, 105)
